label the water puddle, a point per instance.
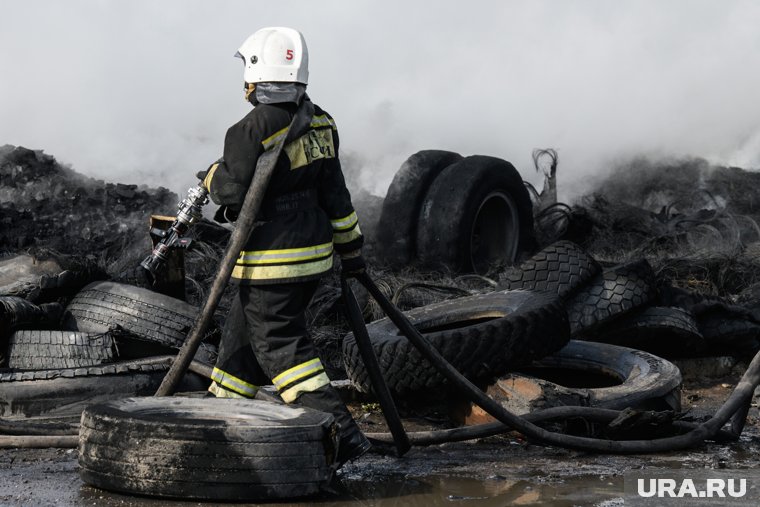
(490, 492)
(431, 491)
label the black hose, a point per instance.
(373, 369)
(599, 415)
(38, 442)
(709, 429)
(45, 429)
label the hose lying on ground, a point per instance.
(38, 442)
(600, 415)
(738, 399)
(24, 428)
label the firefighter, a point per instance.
(306, 215)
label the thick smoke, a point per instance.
(142, 92)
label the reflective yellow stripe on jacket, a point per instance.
(284, 263)
(346, 229)
(272, 140)
(323, 121)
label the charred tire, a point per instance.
(399, 218)
(611, 294)
(664, 331)
(477, 216)
(560, 268)
(60, 395)
(38, 350)
(144, 314)
(206, 449)
(646, 381)
(727, 335)
(482, 336)
(16, 313)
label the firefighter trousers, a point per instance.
(265, 337)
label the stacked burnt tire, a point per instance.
(627, 305)
(112, 341)
(462, 214)
(102, 369)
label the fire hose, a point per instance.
(379, 386)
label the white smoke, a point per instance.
(143, 91)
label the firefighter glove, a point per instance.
(205, 176)
(353, 263)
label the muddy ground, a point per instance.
(496, 471)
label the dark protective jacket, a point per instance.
(306, 213)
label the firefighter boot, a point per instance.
(352, 443)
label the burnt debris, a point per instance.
(46, 205)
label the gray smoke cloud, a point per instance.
(143, 91)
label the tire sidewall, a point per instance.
(399, 216)
(452, 204)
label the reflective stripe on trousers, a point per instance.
(232, 383)
(304, 377)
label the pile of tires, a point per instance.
(460, 214)
(592, 296)
(483, 336)
(558, 293)
(111, 341)
(627, 305)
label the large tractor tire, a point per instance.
(207, 448)
(610, 295)
(560, 269)
(482, 336)
(399, 218)
(477, 217)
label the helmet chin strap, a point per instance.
(249, 88)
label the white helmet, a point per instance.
(275, 54)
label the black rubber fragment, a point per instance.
(669, 332)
